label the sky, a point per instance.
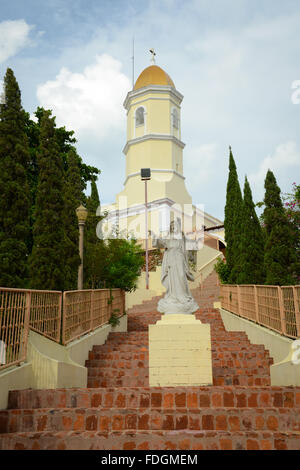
(236, 62)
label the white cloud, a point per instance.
(199, 166)
(88, 102)
(234, 66)
(284, 162)
(14, 36)
(274, 28)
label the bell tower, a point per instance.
(154, 139)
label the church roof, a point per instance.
(153, 75)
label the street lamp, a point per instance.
(146, 176)
(81, 213)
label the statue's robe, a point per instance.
(175, 275)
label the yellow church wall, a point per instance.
(149, 154)
(177, 159)
(135, 191)
(139, 131)
(158, 118)
(160, 186)
(176, 191)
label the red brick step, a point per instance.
(152, 440)
(118, 410)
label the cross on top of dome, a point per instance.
(153, 55)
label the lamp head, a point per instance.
(145, 174)
(82, 214)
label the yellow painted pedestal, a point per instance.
(179, 352)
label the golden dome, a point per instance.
(153, 75)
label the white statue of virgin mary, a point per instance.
(175, 273)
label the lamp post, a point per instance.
(81, 213)
(146, 176)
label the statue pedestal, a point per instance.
(179, 352)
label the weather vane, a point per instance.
(153, 55)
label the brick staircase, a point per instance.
(118, 410)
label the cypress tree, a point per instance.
(32, 130)
(94, 248)
(232, 220)
(65, 141)
(93, 202)
(72, 199)
(251, 250)
(47, 257)
(14, 188)
(76, 176)
(280, 256)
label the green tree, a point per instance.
(124, 262)
(251, 250)
(47, 257)
(76, 175)
(72, 199)
(292, 208)
(232, 220)
(65, 141)
(15, 193)
(95, 265)
(221, 269)
(94, 250)
(113, 263)
(92, 205)
(280, 255)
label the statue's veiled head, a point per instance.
(175, 227)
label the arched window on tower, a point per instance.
(175, 118)
(140, 116)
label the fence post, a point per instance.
(60, 318)
(124, 301)
(297, 313)
(281, 309)
(63, 332)
(256, 304)
(92, 309)
(26, 324)
(239, 301)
